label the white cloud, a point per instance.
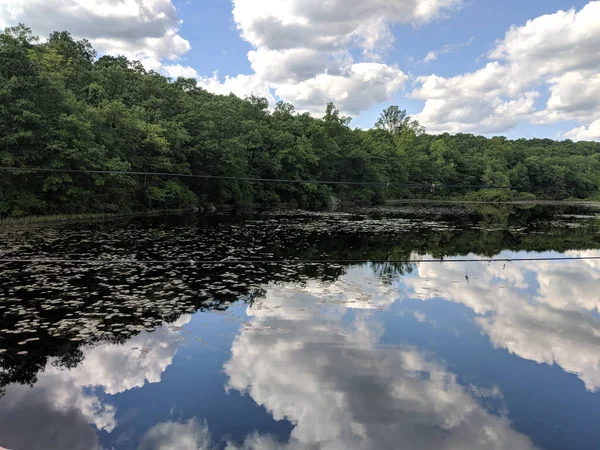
(285, 24)
(302, 49)
(590, 133)
(177, 70)
(540, 311)
(242, 86)
(361, 84)
(485, 101)
(573, 96)
(487, 80)
(475, 114)
(140, 29)
(431, 56)
(560, 51)
(296, 64)
(351, 88)
(474, 102)
(348, 392)
(435, 54)
(553, 43)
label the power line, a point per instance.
(231, 178)
(290, 261)
(262, 180)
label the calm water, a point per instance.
(296, 355)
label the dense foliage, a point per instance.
(62, 107)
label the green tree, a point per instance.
(395, 121)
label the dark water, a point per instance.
(298, 355)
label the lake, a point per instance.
(315, 330)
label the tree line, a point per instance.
(63, 107)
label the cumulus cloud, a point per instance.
(359, 85)
(543, 312)
(177, 70)
(301, 49)
(583, 133)
(485, 101)
(478, 114)
(296, 64)
(277, 24)
(348, 392)
(573, 96)
(553, 43)
(146, 30)
(560, 51)
(241, 85)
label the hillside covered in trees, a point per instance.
(62, 107)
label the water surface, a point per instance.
(298, 354)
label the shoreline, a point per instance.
(592, 203)
(85, 217)
(93, 217)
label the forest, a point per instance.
(64, 108)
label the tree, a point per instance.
(284, 109)
(395, 121)
(332, 115)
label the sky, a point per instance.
(516, 68)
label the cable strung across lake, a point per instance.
(288, 261)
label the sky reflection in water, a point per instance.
(434, 356)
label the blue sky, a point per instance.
(216, 42)
(518, 68)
